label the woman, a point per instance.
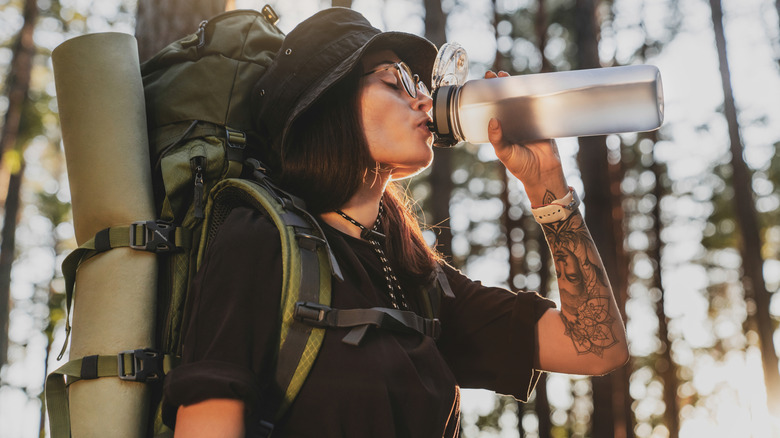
(345, 117)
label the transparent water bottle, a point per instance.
(546, 105)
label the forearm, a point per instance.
(589, 313)
(211, 418)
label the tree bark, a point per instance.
(752, 261)
(611, 402)
(7, 252)
(159, 23)
(441, 171)
(541, 404)
(540, 26)
(667, 369)
(18, 85)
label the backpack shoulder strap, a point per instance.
(307, 267)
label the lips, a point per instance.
(426, 123)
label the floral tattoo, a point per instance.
(585, 306)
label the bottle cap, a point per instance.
(451, 66)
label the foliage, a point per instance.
(697, 214)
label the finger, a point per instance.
(502, 74)
(496, 134)
(490, 74)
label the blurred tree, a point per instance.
(159, 23)
(522, 234)
(639, 159)
(745, 210)
(666, 366)
(604, 215)
(440, 176)
(57, 212)
(342, 3)
(17, 88)
(777, 8)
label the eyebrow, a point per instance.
(378, 67)
(385, 62)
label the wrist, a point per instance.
(546, 191)
(558, 209)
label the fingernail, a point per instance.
(493, 124)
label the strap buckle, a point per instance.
(236, 143)
(310, 241)
(313, 314)
(235, 139)
(146, 365)
(153, 236)
(266, 428)
(433, 328)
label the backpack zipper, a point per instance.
(198, 164)
(201, 33)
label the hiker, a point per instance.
(344, 115)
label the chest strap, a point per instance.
(404, 321)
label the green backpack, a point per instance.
(197, 97)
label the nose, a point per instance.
(423, 102)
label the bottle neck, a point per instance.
(444, 127)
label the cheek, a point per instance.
(380, 124)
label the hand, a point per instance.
(536, 164)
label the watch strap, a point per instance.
(557, 210)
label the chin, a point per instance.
(411, 170)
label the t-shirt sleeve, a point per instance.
(230, 331)
(489, 335)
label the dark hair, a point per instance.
(326, 159)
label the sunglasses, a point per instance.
(411, 82)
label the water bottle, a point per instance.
(545, 105)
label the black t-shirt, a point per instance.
(392, 385)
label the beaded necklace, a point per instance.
(374, 236)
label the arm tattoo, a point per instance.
(584, 288)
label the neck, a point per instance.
(363, 207)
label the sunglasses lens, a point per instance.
(421, 88)
(407, 78)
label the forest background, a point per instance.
(686, 217)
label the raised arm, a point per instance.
(587, 335)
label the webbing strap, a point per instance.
(295, 342)
(235, 143)
(444, 283)
(124, 365)
(308, 266)
(405, 321)
(154, 236)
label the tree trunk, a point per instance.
(752, 261)
(611, 403)
(159, 23)
(441, 171)
(541, 403)
(8, 249)
(18, 85)
(18, 79)
(777, 8)
(342, 3)
(540, 26)
(666, 367)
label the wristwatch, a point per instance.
(557, 210)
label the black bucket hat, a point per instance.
(315, 55)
